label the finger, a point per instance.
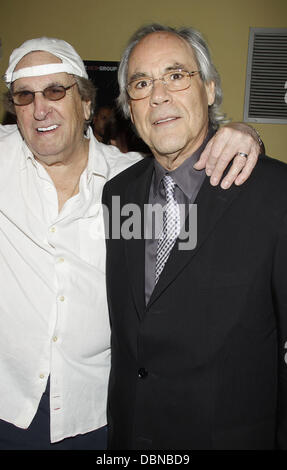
(218, 154)
(201, 163)
(220, 167)
(240, 171)
(221, 150)
(248, 146)
(224, 146)
(213, 150)
(236, 168)
(248, 168)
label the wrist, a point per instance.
(247, 129)
(259, 140)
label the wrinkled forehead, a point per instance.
(42, 82)
(160, 50)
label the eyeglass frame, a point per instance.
(43, 93)
(152, 80)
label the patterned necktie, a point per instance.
(171, 226)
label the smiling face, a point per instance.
(53, 130)
(172, 123)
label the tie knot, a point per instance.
(169, 184)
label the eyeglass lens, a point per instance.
(53, 93)
(175, 81)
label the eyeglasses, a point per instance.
(52, 93)
(176, 80)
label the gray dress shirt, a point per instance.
(188, 183)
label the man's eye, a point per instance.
(54, 90)
(176, 76)
(141, 84)
(24, 93)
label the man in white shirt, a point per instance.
(54, 327)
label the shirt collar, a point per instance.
(27, 155)
(185, 173)
(97, 164)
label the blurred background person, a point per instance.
(120, 133)
(101, 118)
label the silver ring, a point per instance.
(242, 154)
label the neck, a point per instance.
(66, 174)
(70, 157)
(173, 160)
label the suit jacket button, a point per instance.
(142, 373)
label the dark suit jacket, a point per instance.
(202, 365)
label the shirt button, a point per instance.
(41, 376)
(142, 373)
(55, 338)
(61, 260)
(52, 229)
(61, 298)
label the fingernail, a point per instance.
(225, 184)
(214, 181)
(208, 171)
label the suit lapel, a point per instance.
(138, 192)
(212, 203)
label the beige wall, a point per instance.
(100, 29)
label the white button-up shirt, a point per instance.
(53, 308)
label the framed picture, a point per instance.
(104, 76)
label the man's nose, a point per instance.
(42, 106)
(159, 93)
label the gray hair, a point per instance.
(87, 92)
(86, 89)
(207, 69)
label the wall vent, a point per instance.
(266, 78)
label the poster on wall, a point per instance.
(104, 76)
(109, 125)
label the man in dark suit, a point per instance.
(198, 334)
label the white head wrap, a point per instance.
(71, 61)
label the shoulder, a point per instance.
(118, 185)
(9, 133)
(10, 145)
(11, 160)
(118, 161)
(115, 160)
(125, 177)
(264, 194)
(270, 174)
(267, 163)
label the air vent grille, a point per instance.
(266, 82)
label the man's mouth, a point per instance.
(47, 129)
(163, 120)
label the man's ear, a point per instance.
(87, 109)
(210, 92)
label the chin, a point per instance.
(47, 151)
(166, 150)
(169, 145)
